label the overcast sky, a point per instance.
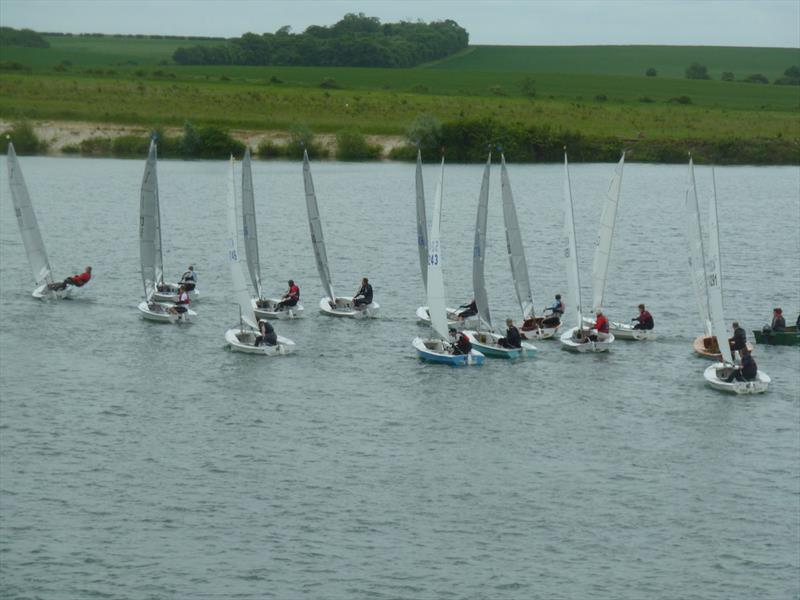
(514, 22)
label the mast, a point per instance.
(602, 250)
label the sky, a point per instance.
(768, 23)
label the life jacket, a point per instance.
(82, 279)
(183, 298)
(294, 292)
(602, 324)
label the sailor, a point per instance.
(556, 310)
(291, 297)
(189, 279)
(182, 303)
(76, 280)
(645, 319)
(268, 336)
(364, 295)
(601, 327)
(778, 322)
(739, 339)
(462, 345)
(748, 371)
(513, 339)
(467, 310)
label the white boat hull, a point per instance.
(172, 294)
(159, 313)
(434, 350)
(424, 318)
(485, 342)
(569, 342)
(757, 386)
(244, 341)
(624, 331)
(42, 293)
(343, 307)
(268, 309)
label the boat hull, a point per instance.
(159, 313)
(790, 337)
(706, 346)
(270, 312)
(243, 341)
(625, 331)
(757, 386)
(171, 295)
(485, 342)
(568, 342)
(453, 322)
(434, 351)
(42, 293)
(343, 307)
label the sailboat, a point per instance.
(484, 338)
(264, 308)
(532, 327)
(31, 236)
(716, 374)
(577, 339)
(330, 304)
(438, 348)
(243, 337)
(423, 316)
(602, 256)
(150, 248)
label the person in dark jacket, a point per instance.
(778, 322)
(467, 310)
(556, 309)
(513, 339)
(748, 371)
(268, 336)
(739, 339)
(364, 295)
(462, 345)
(645, 319)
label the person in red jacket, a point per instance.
(76, 280)
(291, 297)
(182, 303)
(601, 327)
(645, 319)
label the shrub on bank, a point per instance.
(352, 145)
(24, 139)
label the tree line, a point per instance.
(22, 37)
(355, 41)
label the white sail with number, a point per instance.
(697, 257)
(240, 292)
(571, 250)
(150, 226)
(714, 277)
(602, 251)
(516, 251)
(436, 301)
(249, 227)
(26, 219)
(315, 225)
(479, 252)
(422, 223)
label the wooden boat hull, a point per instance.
(433, 350)
(568, 342)
(485, 342)
(269, 311)
(790, 337)
(706, 346)
(424, 318)
(243, 341)
(757, 386)
(159, 313)
(343, 307)
(42, 293)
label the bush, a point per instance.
(601, 98)
(697, 71)
(528, 87)
(274, 79)
(351, 145)
(680, 100)
(10, 65)
(787, 81)
(792, 72)
(646, 99)
(727, 76)
(208, 142)
(330, 84)
(756, 78)
(268, 149)
(496, 90)
(96, 146)
(24, 139)
(651, 72)
(426, 133)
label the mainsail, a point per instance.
(602, 250)
(250, 230)
(714, 277)
(422, 223)
(479, 250)
(26, 219)
(570, 249)
(240, 292)
(516, 251)
(697, 258)
(315, 225)
(436, 303)
(150, 226)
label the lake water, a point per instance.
(147, 461)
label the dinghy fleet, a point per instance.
(453, 339)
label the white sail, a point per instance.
(26, 219)
(714, 277)
(150, 226)
(602, 250)
(315, 225)
(516, 251)
(436, 302)
(697, 257)
(571, 250)
(479, 250)
(249, 227)
(240, 292)
(422, 223)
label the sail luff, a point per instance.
(249, 225)
(714, 277)
(697, 256)
(149, 231)
(571, 250)
(422, 223)
(315, 226)
(605, 236)
(239, 289)
(435, 291)
(479, 250)
(26, 219)
(516, 250)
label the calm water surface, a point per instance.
(147, 461)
